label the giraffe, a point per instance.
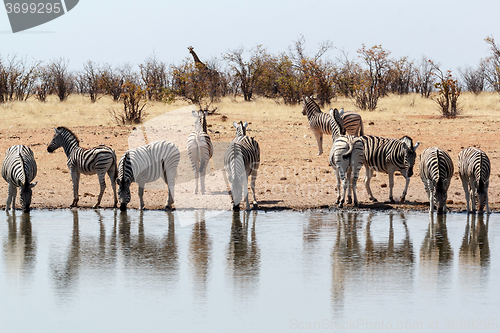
(197, 60)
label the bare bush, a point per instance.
(492, 65)
(90, 81)
(63, 81)
(424, 78)
(448, 92)
(473, 79)
(154, 75)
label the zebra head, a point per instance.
(336, 123)
(63, 137)
(201, 120)
(25, 196)
(441, 194)
(241, 128)
(482, 193)
(410, 154)
(26, 189)
(124, 180)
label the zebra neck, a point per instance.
(70, 144)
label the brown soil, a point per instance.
(291, 175)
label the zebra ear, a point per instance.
(416, 146)
(340, 123)
(205, 113)
(33, 184)
(341, 112)
(245, 124)
(194, 113)
(235, 124)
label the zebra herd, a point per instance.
(141, 165)
(351, 150)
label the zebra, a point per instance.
(347, 156)
(436, 170)
(200, 149)
(241, 160)
(474, 170)
(19, 169)
(389, 155)
(319, 122)
(97, 160)
(146, 164)
(352, 122)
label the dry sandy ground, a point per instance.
(291, 175)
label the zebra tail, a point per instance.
(440, 186)
(348, 154)
(481, 187)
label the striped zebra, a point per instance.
(146, 164)
(241, 160)
(352, 122)
(319, 122)
(474, 170)
(347, 156)
(97, 160)
(388, 156)
(436, 170)
(19, 170)
(200, 149)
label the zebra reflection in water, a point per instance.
(199, 255)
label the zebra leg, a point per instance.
(319, 139)
(171, 187)
(403, 196)
(336, 171)
(196, 177)
(431, 198)
(75, 177)
(203, 170)
(344, 187)
(349, 192)
(141, 196)
(473, 191)
(102, 186)
(391, 186)
(11, 197)
(368, 177)
(112, 178)
(465, 185)
(252, 186)
(354, 183)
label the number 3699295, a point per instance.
(33, 8)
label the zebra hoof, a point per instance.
(341, 204)
(349, 200)
(391, 200)
(372, 199)
(356, 204)
(255, 206)
(169, 208)
(96, 206)
(236, 208)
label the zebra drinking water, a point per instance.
(146, 164)
(242, 159)
(200, 149)
(474, 170)
(436, 170)
(98, 160)
(389, 155)
(347, 155)
(319, 122)
(19, 169)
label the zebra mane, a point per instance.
(311, 104)
(26, 183)
(65, 129)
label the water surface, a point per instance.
(192, 271)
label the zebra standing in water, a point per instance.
(200, 149)
(19, 170)
(474, 169)
(320, 122)
(347, 155)
(242, 159)
(98, 160)
(436, 170)
(389, 156)
(146, 164)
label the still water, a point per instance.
(208, 271)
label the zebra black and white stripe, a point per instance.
(388, 156)
(19, 170)
(319, 122)
(98, 160)
(200, 149)
(144, 165)
(353, 123)
(347, 155)
(241, 160)
(474, 169)
(436, 170)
